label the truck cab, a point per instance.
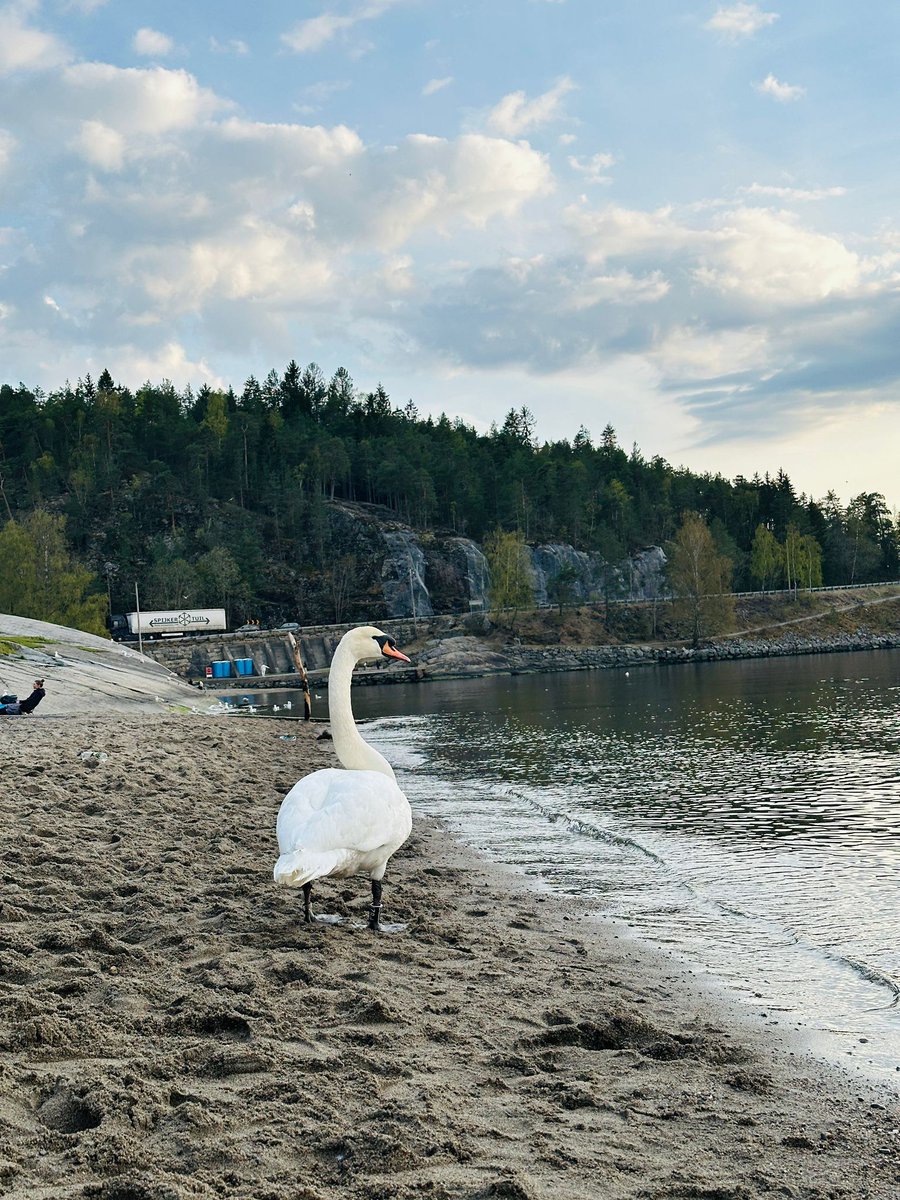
(117, 624)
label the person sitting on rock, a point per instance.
(30, 703)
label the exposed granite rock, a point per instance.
(469, 656)
(422, 573)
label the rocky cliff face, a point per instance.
(426, 573)
(403, 575)
(590, 577)
(582, 571)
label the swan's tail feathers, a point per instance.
(297, 867)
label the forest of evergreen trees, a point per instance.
(223, 498)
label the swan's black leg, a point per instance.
(308, 917)
(375, 910)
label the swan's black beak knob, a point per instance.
(389, 649)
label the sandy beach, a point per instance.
(170, 1029)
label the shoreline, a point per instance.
(169, 1029)
(459, 658)
(551, 659)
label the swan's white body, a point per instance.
(350, 821)
(340, 823)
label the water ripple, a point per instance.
(746, 816)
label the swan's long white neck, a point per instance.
(353, 753)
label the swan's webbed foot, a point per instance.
(375, 923)
(309, 917)
(377, 926)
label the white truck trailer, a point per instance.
(168, 623)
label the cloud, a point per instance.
(249, 261)
(436, 85)
(719, 307)
(136, 100)
(618, 287)
(84, 6)
(318, 94)
(515, 114)
(768, 256)
(232, 46)
(686, 353)
(247, 223)
(430, 185)
(756, 255)
(594, 168)
(613, 233)
(24, 48)
(151, 43)
(7, 149)
(783, 92)
(791, 194)
(740, 21)
(101, 146)
(315, 32)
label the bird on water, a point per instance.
(348, 821)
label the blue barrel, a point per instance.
(222, 669)
(244, 666)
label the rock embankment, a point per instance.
(472, 656)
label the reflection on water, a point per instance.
(745, 815)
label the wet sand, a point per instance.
(169, 1028)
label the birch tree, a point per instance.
(512, 586)
(700, 579)
(766, 558)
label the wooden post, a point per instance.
(301, 670)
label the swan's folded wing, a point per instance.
(297, 867)
(335, 810)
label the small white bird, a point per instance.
(350, 821)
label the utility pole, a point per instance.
(137, 601)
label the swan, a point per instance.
(345, 822)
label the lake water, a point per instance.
(744, 816)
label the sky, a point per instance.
(677, 218)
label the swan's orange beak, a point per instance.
(389, 648)
(392, 652)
